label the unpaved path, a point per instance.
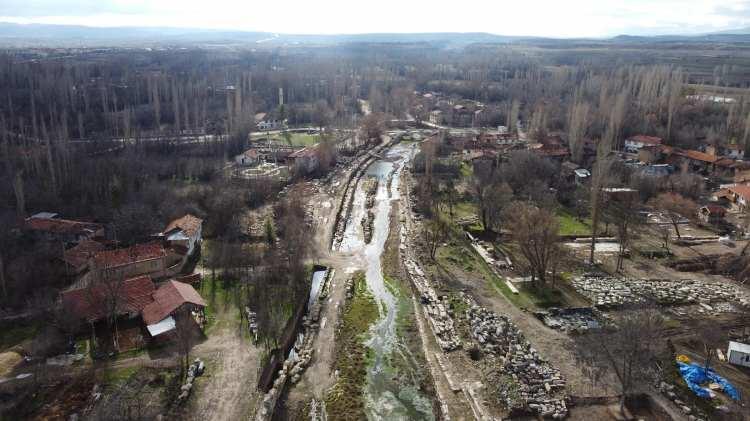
(228, 389)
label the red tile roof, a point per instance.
(741, 190)
(716, 210)
(79, 255)
(90, 303)
(136, 253)
(61, 226)
(188, 223)
(251, 153)
(168, 298)
(699, 156)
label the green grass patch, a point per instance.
(464, 210)
(570, 225)
(543, 297)
(11, 336)
(295, 139)
(520, 300)
(466, 170)
(344, 401)
(118, 376)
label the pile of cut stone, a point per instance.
(578, 320)
(196, 369)
(606, 291)
(435, 307)
(541, 388)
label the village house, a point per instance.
(126, 298)
(436, 117)
(711, 214)
(649, 154)
(734, 152)
(737, 195)
(551, 147)
(46, 226)
(140, 259)
(305, 160)
(77, 257)
(135, 300)
(695, 160)
(249, 158)
(634, 143)
(186, 232)
(738, 354)
(655, 170)
(171, 300)
(265, 122)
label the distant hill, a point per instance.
(71, 34)
(25, 35)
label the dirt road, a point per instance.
(228, 389)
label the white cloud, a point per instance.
(527, 17)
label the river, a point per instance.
(390, 393)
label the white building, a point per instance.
(634, 143)
(249, 158)
(739, 354)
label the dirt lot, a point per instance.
(228, 389)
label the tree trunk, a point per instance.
(676, 230)
(3, 284)
(594, 223)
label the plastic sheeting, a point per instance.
(696, 375)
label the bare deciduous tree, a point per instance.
(676, 208)
(535, 231)
(628, 350)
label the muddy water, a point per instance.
(389, 394)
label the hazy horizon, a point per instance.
(543, 18)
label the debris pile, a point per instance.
(669, 391)
(252, 322)
(578, 320)
(196, 369)
(541, 388)
(605, 291)
(434, 307)
(371, 189)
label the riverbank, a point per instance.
(344, 401)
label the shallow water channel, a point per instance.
(391, 393)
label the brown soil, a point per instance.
(228, 389)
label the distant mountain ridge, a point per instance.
(73, 35)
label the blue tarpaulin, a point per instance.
(696, 375)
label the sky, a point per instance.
(552, 18)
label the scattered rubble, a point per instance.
(252, 323)
(577, 320)
(196, 369)
(540, 386)
(371, 189)
(435, 308)
(668, 390)
(300, 356)
(606, 291)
